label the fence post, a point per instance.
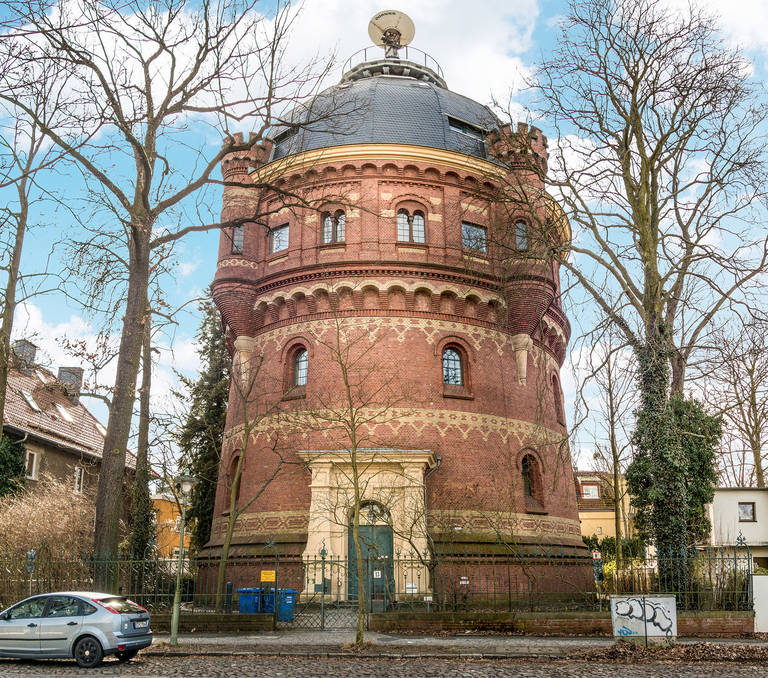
(228, 597)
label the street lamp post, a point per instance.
(185, 482)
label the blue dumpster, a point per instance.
(286, 603)
(249, 601)
(267, 597)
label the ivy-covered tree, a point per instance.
(201, 436)
(11, 465)
(673, 483)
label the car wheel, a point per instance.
(126, 655)
(88, 652)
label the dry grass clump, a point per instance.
(49, 517)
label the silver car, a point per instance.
(76, 624)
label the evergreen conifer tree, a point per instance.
(200, 438)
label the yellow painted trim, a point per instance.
(401, 152)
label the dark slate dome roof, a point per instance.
(388, 109)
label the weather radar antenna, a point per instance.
(391, 30)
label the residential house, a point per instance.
(43, 410)
(597, 506)
(168, 525)
(741, 512)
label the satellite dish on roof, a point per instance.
(392, 30)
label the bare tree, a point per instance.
(613, 374)
(25, 156)
(139, 76)
(356, 405)
(659, 168)
(736, 374)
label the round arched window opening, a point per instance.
(530, 472)
(300, 367)
(453, 373)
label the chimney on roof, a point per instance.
(71, 379)
(24, 352)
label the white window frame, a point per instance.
(35, 465)
(64, 413)
(474, 238)
(590, 486)
(31, 401)
(79, 478)
(276, 242)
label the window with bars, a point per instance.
(474, 237)
(334, 227)
(452, 368)
(279, 239)
(300, 367)
(410, 227)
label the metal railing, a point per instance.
(406, 53)
(327, 588)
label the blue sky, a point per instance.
(485, 49)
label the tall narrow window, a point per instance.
(30, 463)
(452, 372)
(300, 367)
(334, 227)
(410, 227)
(527, 472)
(279, 239)
(79, 476)
(417, 227)
(473, 237)
(403, 226)
(238, 237)
(521, 235)
(557, 394)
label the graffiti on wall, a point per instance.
(644, 616)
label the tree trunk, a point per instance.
(679, 364)
(231, 520)
(141, 509)
(757, 459)
(360, 566)
(110, 489)
(10, 292)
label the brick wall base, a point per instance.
(689, 624)
(215, 623)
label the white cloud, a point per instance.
(477, 46)
(186, 268)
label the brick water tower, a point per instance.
(396, 216)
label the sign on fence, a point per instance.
(645, 618)
(267, 575)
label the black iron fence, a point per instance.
(323, 591)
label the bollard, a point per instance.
(228, 598)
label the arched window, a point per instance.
(238, 236)
(526, 468)
(452, 368)
(521, 235)
(300, 367)
(334, 227)
(557, 394)
(410, 227)
(232, 471)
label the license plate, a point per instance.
(141, 624)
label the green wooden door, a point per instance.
(376, 544)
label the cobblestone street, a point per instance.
(290, 667)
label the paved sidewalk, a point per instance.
(335, 643)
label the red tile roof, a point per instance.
(604, 481)
(82, 434)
